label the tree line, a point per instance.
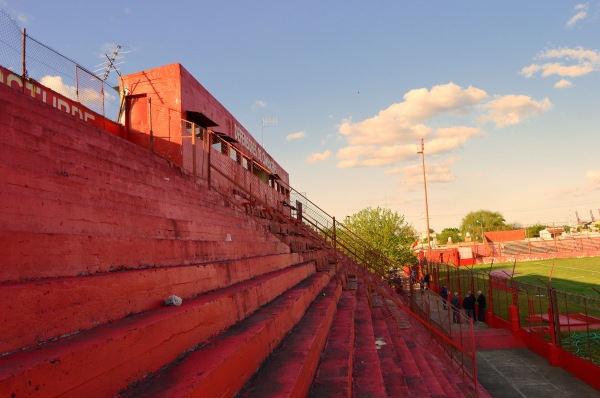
(388, 232)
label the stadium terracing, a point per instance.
(166, 254)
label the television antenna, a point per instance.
(110, 63)
(266, 122)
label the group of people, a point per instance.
(474, 307)
(469, 304)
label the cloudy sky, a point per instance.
(505, 95)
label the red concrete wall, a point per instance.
(505, 236)
(41, 93)
(77, 199)
(167, 94)
(194, 97)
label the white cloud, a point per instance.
(593, 177)
(445, 140)
(259, 105)
(55, 83)
(530, 70)
(451, 138)
(563, 84)
(402, 122)
(434, 172)
(581, 14)
(392, 135)
(578, 53)
(567, 70)
(318, 157)
(566, 192)
(568, 62)
(87, 96)
(296, 136)
(513, 109)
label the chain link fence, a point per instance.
(206, 154)
(567, 320)
(31, 59)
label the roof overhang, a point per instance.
(200, 119)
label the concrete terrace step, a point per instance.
(399, 319)
(67, 132)
(367, 376)
(90, 167)
(71, 255)
(146, 188)
(222, 367)
(290, 369)
(334, 374)
(394, 383)
(113, 173)
(43, 309)
(22, 213)
(128, 197)
(84, 364)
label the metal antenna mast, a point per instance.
(109, 64)
(266, 122)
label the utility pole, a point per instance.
(422, 153)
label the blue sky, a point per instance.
(506, 94)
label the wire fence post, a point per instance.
(193, 128)
(208, 171)
(150, 124)
(24, 55)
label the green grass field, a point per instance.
(577, 282)
(574, 275)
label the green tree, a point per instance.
(482, 220)
(534, 230)
(386, 231)
(453, 233)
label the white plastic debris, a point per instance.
(228, 238)
(173, 300)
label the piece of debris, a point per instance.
(173, 300)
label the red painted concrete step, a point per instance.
(222, 367)
(101, 361)
(39, 310)
(393, 378)
(32, 255)
(334, 374)
(289, 371)
(366, 373)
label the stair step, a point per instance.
(393, 379)
(334, 375)
(401, 322)
(222, 367)
(43, 309)
(94, 360)
(290, 369)
(366, 373)
(70, 255)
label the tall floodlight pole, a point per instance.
(422, 153)
(266, 122)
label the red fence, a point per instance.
(561, 326)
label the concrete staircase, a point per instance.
(97, 232)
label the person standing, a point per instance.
(480, 307)
(444, 295)
(427, 279)
(455, 302)
(469, 305)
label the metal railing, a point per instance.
(224, 167)
(566, 320)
